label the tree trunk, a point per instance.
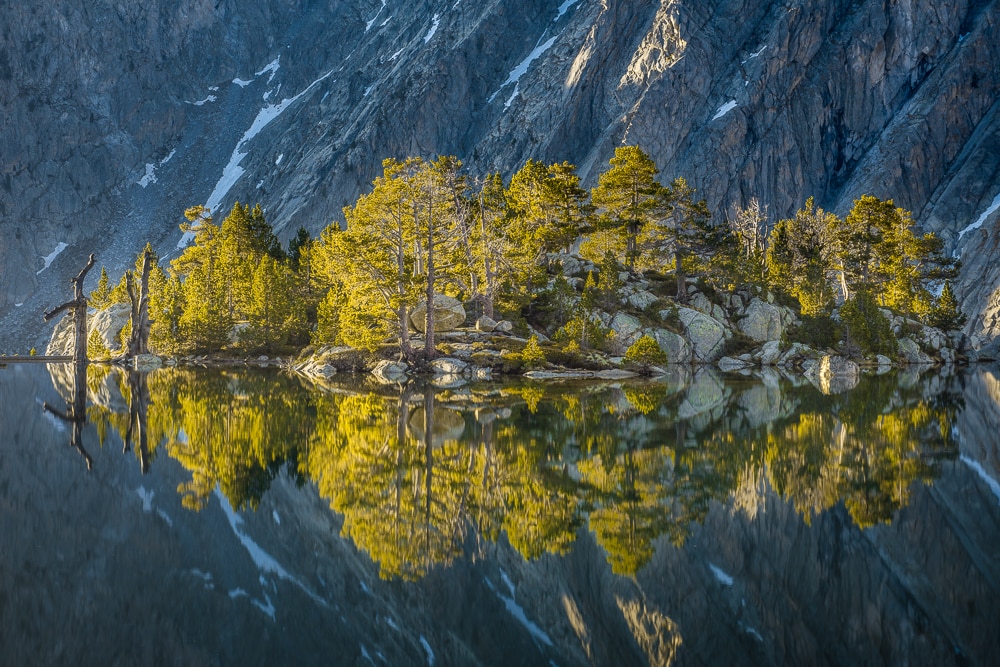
(429, 293)
(138, 342)
(79, 308)
(682, 296)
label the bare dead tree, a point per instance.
(138, 342)
(79, 307)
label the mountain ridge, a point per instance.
(781, 101)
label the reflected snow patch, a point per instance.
(723, 578)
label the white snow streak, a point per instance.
(435, 22)
(271, 67)
(150, 175)
(242, 83)
(979, 222)
(522, 67)
(754, 55)
(210, 98)
(563, 8)
(368, 26)
(724, 109)
(274, 515)
(265, 563)
(427, 647)
(147, 499)
(978, 468)
(233, 171)
(48, 258)
(723, 578)
(279, 159)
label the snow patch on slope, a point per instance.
(515, 610)
(435, 22)
(981, 219)
(979, 470)
(564, 7)
(369, 24)
(232, 172)
(521, 68)
(51, 256)
(724, 579)
(724, 109)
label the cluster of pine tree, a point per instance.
(426, 228)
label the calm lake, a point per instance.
(203, 517)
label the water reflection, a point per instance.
(424, 475)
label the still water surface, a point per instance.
(244, 517)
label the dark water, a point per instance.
(240, 517)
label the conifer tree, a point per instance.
(100, 297)
(799, 258)
(626, 198)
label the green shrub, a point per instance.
(533, 355)
(737, 344)
(97, 350)
(945, 315)
(645, 352)
(866, 326)
(818, 332)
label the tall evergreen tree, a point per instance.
(800, 258)
(626, 197)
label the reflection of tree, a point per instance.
(866, 450)
(401, 496)
(233, 430)
(76, 414)
(413, 473)
(633, 498)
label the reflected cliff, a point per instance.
(699, 519)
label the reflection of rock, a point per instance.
(448, 425)
(146, 362)
(834, 374)
(704, 394)
(657, 635)
(448, 314)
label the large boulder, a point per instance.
(390, 372)
(762, 322)
(699, 301)
(108, 322)
(706, 334)
(448, 314)
(676, 348)
(627, 328)
(641, 300)
(911, 352)
(448, 366)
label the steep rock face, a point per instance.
(117, 119)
